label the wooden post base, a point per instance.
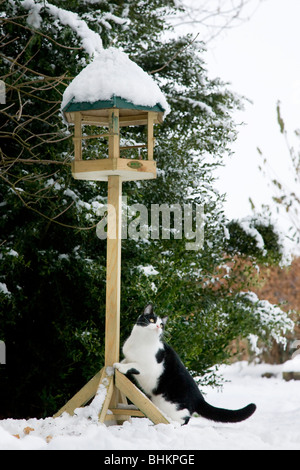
(118, 388)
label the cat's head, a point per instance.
(151, 321)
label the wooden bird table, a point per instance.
(113, 170)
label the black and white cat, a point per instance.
(163, 377)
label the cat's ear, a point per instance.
(148, 310)
(164, 320)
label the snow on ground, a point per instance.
(274, 425)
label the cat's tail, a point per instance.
(225, 416)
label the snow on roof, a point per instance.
(113, 73)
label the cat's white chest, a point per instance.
(142, 349)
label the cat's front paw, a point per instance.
(121, 367)
(126, 368)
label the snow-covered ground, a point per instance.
(275, 424)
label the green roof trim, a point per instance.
(114, 102)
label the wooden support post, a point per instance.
(84, 395)
(139, 399)
(113, 272)
(109, 384)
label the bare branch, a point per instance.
(175, 55)
(213, 16)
